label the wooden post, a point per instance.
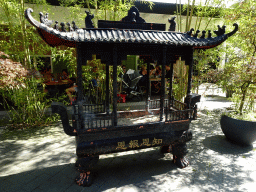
(107, 87)
(114, 123)
(148, 86)
(189, 59)
(162, 95)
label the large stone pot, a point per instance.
(238, 131)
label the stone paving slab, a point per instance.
(45, 162)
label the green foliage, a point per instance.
(29, 106)
(203, 15)
(97, 94)
(64, 59)
(39, 2)
(180, 80)
(22, 43)
(18, 40)
(246, 116)
(240, 69)
(67, 3)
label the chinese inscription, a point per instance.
(157, 141)
(135, 143)
(121, 145)
(146, 142)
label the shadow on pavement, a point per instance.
(220, 144)
(141, 170)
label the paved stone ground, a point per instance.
(45, 162)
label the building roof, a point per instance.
(56, 37)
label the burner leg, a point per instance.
(179, 151)
(85, 164)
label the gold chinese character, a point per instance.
(133, 144)
(146, 142)
(157, 141)
(121, 145)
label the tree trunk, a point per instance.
(244, 89)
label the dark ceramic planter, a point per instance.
(238, 131)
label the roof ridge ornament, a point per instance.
(69, 27)
(56, 26)
(44, 19)
(88, 20)
(75, 28)
(189, 33)
(62, 24)
(196, 34)
(209, 34)
(221, 30)
(172, 24)
(203, 34)
(133, 16)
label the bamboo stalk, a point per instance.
(191, 14)
(88, 5)
(177, 12)
(180, 15)
(96, 11)
(105, 9)
(187, 27)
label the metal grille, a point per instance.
(178, 105)
(94, 108)
(155, 104)
(179, 115)
(98, 122)
(94, 115)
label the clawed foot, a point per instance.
(180, 162)
(79, 178)
(84, 179)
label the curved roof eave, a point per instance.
(55, 38)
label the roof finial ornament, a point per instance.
(203, 34)
(69, 27)
(190, 32)
(62, 24)
(221, 30)
(209, 34)
(56, 26)
(133, 16)
(196, 34)
(74, 25)
(88, 20)
(172, 24)
(44, 19)
(41, 17)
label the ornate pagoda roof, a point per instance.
(56, 36)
